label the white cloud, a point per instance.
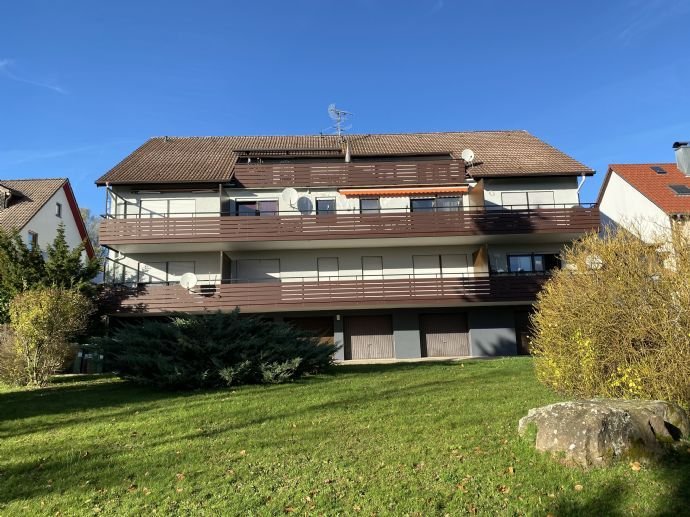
(5, 71)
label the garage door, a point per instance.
(444, 335)
(368, 337)
(321, 326)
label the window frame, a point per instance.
(58, 210)
(434, 204)
(325, 212)
(376, 210)
(33, 239)
(257, 210)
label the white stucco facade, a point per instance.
(46, 221)
(623, 206)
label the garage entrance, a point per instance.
(368, 337)
(444, 335)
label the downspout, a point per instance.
(579, 187)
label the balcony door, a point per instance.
(254, 208)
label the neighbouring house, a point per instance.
(36, 207)
(392, 245)
(647, 197)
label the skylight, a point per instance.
(658, 170)
(681, 190)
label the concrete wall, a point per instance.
(492, 331)
(294, 264)
(45, 223)
(623, 206)
(406, 335)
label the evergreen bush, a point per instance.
(213, 350)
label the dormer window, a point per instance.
(58, 209)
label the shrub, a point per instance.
(43, 323)
(615, 322)
(219, 349)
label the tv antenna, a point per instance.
(339, 117)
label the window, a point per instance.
(33, 240)
(58, 209)
(253, 208)
(325, 206)
(540, 199)
(439, 204)
(448, 204)
(533, 263)
(369, 205)
(422, 205)
(681, 190)
(514, 200)
(153, 208)
(524, 200)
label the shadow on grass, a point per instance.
(617, 497)
(70, 393)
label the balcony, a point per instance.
(227, 232)
(354, 174)
(310, 294)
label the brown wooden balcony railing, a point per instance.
(290, 227)
(354, 174)
(324, 295)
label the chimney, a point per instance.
(683, 156)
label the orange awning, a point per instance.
(410, 191)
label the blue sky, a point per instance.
(82, 83)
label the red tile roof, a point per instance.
(655, 187)
(212, 159)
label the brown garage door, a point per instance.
(444, 335)
(368, 337)
(321, 326)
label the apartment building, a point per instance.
(392, 245)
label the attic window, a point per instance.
(681, 190)
(658, 170)
(58, 209)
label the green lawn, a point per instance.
(420, 439)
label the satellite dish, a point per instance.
(188, 280)
(305, 205)
(467, 155)
(289, 196)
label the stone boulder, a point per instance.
(593, 433)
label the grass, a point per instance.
(420, 439)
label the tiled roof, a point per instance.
(211, 159)
(35, 194)
(655, 187)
